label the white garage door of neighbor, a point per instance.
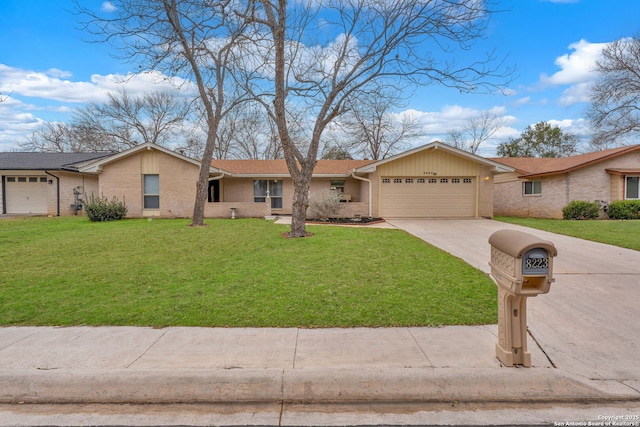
(418, 197)
(26, 194)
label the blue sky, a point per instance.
(49, 69)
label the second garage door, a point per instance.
(418, 197)
(26, 194)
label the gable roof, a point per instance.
(530, 167)
(498, 167)
(96, 166)
(278, 168)
(47, 161)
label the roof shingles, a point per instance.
(279, 167)
(46, 161)
(533, 167)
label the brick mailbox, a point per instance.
(522, 266)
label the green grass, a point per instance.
(619, 233)
(238, 273)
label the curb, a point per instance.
(306, 386)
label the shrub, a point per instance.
(581, 209)
(624, 209)
(325, 204)
(102, 209)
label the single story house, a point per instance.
(431, 181)
(44, 183)
(542, 187)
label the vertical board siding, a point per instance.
(430, 162)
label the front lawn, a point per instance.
(619, 233)
(239, 273)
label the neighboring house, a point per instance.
(44, 183)
(541, 187)
(432, 181)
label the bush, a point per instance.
(624, 209)
(102, 209)
(325, 204)
(581, 209)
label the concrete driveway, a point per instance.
(589, 323)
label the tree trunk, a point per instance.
(300, 205)
(202, 186)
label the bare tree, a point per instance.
(372, 130)
(185, 39)
(129, 121)
(120, 123)
(475, 132)
(615, 98)
(250, 134)
(355, 47)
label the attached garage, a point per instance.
(432, 181)
(417, 197)
(26, 194)
(43, 183)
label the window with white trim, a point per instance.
(151, 191)
(444, 180)
(433, 180)
(467, 180)
(408, 181)
(632, 187)
(420, 181)
(397, 180)
(386, 180)
(455, 180)
(532, 188)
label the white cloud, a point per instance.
(51, 85)
(108, 7)
(15, 123)
(577, 66)
(53, 91)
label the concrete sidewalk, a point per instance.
(216, 365)
(585, 349)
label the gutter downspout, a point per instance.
(57, 190)
(353, 174)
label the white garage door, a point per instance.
(26, 194)
(418, 197)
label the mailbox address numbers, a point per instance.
(535, 261)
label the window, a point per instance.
(420, 180)
(386, 180)
(22, 179)
(151, 191)
(433, 181)
(467, 181)
(444, 180)
(397, 180)
(33, 179)
(337, 185)
(632, 187)
(11, 179)
(532, 188)
(455, 181)
(408, 181)
(273, 187)
(43, 179)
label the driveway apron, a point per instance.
(589, 322)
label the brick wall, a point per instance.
(68, 182)
(589, 183)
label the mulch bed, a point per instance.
(346, 221)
